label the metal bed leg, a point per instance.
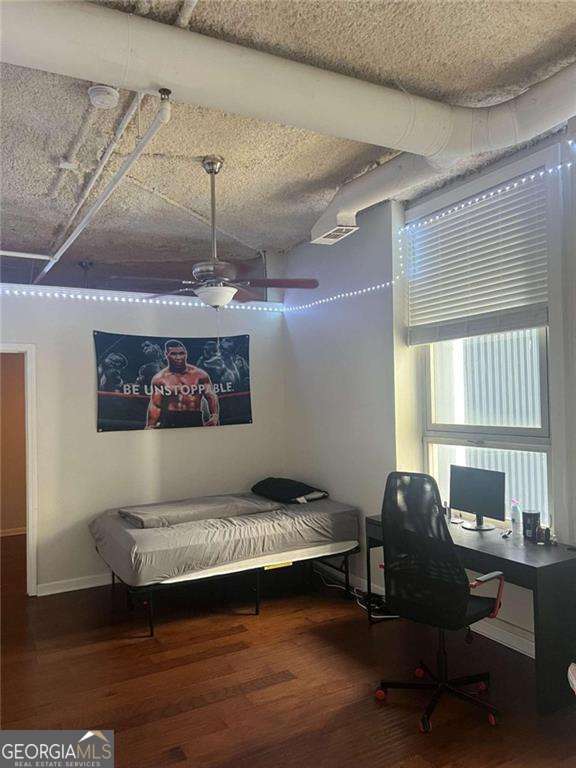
(347, 575)
(257, 592)
(113, 585)
(147, 603)
(310, 568)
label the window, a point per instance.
(481, 266)
(488, 408)
(478, 276)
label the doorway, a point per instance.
(18, 468)
(13, 475)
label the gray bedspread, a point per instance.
(200, 508)
(142, 556)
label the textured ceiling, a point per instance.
(276, 180)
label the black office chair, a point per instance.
(425, 582)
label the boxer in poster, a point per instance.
(178, 391)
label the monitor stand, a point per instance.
(477, 525)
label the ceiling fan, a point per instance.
(217, 282)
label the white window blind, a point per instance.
(481, 266)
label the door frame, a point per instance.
(29, 352)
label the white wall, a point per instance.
(340, 369)
(82, 472)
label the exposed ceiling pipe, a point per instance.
(392, 180)
(97, 43)
(185, 13)
(161, 118)
(24, 255)
(119, 132)
(68, 163)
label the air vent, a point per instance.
(334, 235)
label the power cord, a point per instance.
(378, 608)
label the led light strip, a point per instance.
(113, 298)
(412, 228)
(345, 295)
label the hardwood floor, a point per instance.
(219, 688)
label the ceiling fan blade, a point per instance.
(151, 279)
(263, 282)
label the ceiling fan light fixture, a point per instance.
(216, 295)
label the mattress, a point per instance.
(173, 552)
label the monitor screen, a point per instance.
(478, 491)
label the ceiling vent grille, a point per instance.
(334, 235)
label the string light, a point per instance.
(59, 293)
(345, 295)
(277, 309)
(526, 179)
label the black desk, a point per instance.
(550, 572)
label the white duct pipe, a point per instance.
(92, 42)
(389, 181)
(119, 132)
(161, 118)
(23, 255)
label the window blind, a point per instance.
(481, 266)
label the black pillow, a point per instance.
(287, 491)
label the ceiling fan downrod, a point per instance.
(212, 165)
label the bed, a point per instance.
(153, 546)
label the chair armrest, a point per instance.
(487, 577)
(484, 580)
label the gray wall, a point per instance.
(340, 368)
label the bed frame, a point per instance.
(145, 596)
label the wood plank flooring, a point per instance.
(291, 688)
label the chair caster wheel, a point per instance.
(492, 719)
(482, 687)
(419, 673)
(381, 694)
(425, 725)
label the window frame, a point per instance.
(533, 439)
(476, 433)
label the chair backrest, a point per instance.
(424, 578)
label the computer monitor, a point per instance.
(479, 491)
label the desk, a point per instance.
(550, 572)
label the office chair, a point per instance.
(425, 582)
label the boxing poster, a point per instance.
(156, 382)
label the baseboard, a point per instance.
(71, 585)
(510, 635)
(12, 532)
